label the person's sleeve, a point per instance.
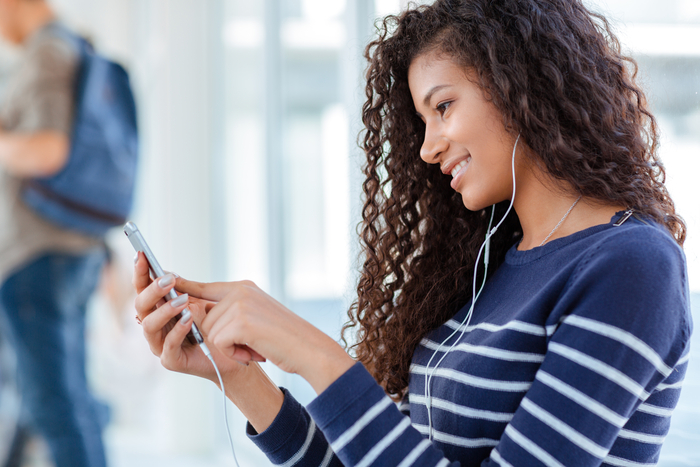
(352, 423)
(49, 88)
(293, 439)
(623, 334)
(366, 428)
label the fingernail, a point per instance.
(179, 301)
(186, 315)
(136, 258)
(166, 281)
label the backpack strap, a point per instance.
(70, 204)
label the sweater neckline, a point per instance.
(514, 256)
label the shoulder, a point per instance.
(50, 49)
(634, 277)
(639, 250)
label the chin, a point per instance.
(473, 204)
(477, 203)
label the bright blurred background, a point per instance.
(249, 112)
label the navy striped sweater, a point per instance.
(574, 356)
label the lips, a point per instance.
(458, 170)
(459, 167)
(448, 166)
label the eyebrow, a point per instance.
(426, 99)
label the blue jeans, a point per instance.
(44, 307)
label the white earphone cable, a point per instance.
(206, 351)
(475, 296)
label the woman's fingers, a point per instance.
(254, 356)
(152, 296)
(171, 357)
(240, 353)
(222, 325)
(208, 306)
(141, 278)
(157, 320)
(226, 325)
(214, 291)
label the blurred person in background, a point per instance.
(566, 346)
(47, 273)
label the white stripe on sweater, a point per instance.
(327, 458)
(454, 440)
(462, 410)
(655, 410)
(641, 437)
(305, 447)
(563, 429)
(389, 438)
(536, 451)
(349, 434)
(603, 369)
(514, 325)
(663, 386)
(619, 462)
(415, 453)
(581, 399)
(683, 359)
(624, 337)
(496, 456)
(491, 352)
(476, 381)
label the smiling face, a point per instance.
(464, 132)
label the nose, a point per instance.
(434, 145)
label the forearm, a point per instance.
(259, 398)
(324, 361)
(255, 395)
(33, 154)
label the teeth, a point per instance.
(459, 167)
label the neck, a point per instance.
(541, 203)
(35, 16)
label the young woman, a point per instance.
(524, 290)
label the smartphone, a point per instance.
(139, 243)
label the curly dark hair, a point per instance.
(555, 71)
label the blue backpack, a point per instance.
(94, 191)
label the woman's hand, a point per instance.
(247, 386)
(166, 335)
(244, 317)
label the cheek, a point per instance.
(490, 181)
(492, 167)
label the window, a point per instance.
(293, 90)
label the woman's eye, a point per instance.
(442, 107)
